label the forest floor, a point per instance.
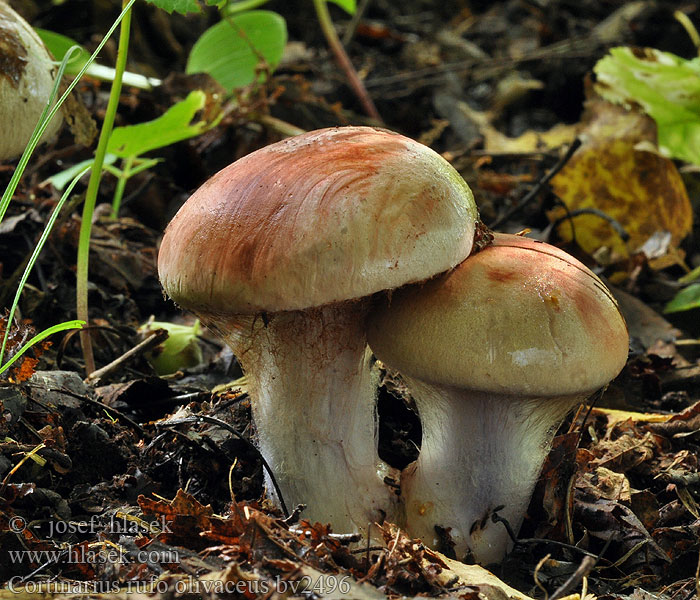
(125, 463)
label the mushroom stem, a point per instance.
(313, 398)
(503, 443)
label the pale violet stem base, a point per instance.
(479, 451)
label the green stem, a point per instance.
(324, 19)
(93, 188)
(121, 184)
(690, 29)
(39, 246)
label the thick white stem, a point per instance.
(479, 451)
(313, 397)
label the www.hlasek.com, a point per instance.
(323, 585)
(95, 556)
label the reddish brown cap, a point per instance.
(330, 215)
(520, 317)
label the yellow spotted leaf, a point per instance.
(617, 172)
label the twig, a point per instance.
(393, 546)
(367, 550)
(355, 21)
(496, 518)
(53, 560)
(227, 427)
(478, 68)
(158, 336)
(555, 543)
(324, 19)
(294, 516)
(587, 564)
(88, 400)
(341, 538)
(538, 186)
(616, 225)
(25, 458)
(536, 577)
(279, 125)
(577, 576)
(66, 339)
(591, 405)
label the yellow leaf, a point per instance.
(615, 172)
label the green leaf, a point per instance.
(179, 351)
(686, 299)
(231, 8)
(666, 86)
(62, 178)
(231, 50)
(59, 44)
(181, 6)
(174, 125)
(349, 6)
(39, 337)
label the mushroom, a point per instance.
(279, 253)
(495, 353)
(27, 75)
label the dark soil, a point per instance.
(116, 446)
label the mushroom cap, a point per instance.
(330, 215)
(27, 77)
(520, 317)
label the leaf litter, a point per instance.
(125, 469)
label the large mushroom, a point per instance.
(495, 353)
(279, 253)
(27, 74)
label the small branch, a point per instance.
(355, 21)
(496, 518)
(88, 400)
(576, 578)
(616, 225)
(248, 443)
(538, 186)
(279, 125)
(324, 19)
(158, 336)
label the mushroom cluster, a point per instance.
(280, 253)
(301, 253)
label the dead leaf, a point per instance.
(482, 579)
(615, 416)
(607, 484)
(639, 189)
(683, 422)
(553, 491)
(643, 322)
(531, 141)
(625, 452)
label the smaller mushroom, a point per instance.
(495, 353)
(27, 75)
